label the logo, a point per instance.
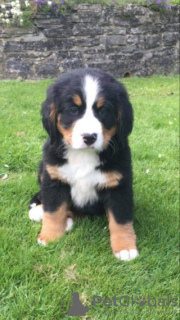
(126, 301)
(74, 307)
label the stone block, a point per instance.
(48, 69)
(86, 30)
(116, 40)
(55, 32)
(1, 57)
(86, 41)
(112, 30)
(170, 38)
(41, 46)
(63, 55)
(21, 66)
(153, 41)
(72, 64)
(45, 22)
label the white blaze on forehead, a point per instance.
(88, 124)
(91, 89)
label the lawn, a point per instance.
(33, 278)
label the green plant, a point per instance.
(159, 4)
(16, 13)
(55, 8)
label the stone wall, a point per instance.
(131, 38)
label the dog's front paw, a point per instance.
(46, 236)
(123, 239)
(41, 241)
(54, 226)
(127, 255)
(36, 212)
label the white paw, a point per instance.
(36, 212)
(41, 242)
(32, 205)
(126, 255)
(69, 224)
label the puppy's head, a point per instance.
(87, 108)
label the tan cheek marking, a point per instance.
(122, 236)
(100, 102)
(54, 224)
(41, 178)
(108, 134)
(77, 100)
(112, 180)
(53, 113)
(54, 173)
(67, 133)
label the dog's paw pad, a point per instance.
(36, 212)
(41, 242)
(69, 224)
(126, 255)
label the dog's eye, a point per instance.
(73, 110)
(103, 110)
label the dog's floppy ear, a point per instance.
(49, 115)
(125, 118)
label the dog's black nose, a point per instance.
(89, 139)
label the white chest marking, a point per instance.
(82, 175)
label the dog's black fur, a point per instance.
(116, 156)
(116, 112)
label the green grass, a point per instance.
(33, 278)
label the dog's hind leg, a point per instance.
(35, 208)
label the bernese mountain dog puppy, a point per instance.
(86, 165)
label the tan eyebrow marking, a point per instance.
(77, 100)
(100, 102)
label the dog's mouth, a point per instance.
(86, 147)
